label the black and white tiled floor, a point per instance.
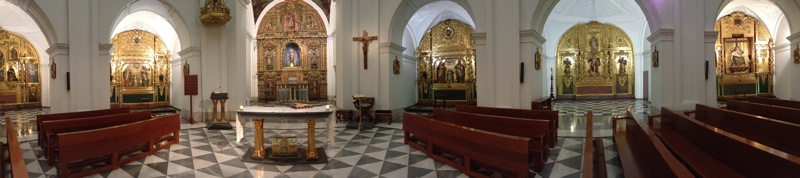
(379, 152)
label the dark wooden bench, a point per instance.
(776, 102)
(781, 135)
(499, 152)
(550, 116)
(712, 152)
(112, 147)
(641, 153)
(18, 166)
(542, 104)
(536, 130)
(594, 159)
(55, 127)
(771, 111)
(72, 115)
(383, 115)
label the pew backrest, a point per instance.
(781, 135)
(504, 125)
(18, 166)
(770, 111)
(776, 102)
(740, 154)
(72, 115)
(641, 153)
(500, 150)
(51, 128)
(549, 115)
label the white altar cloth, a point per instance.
(248, 113)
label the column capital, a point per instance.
(662, 35)
(58, 49)
(190, 52)
(105, 49)
(389, 47)
(711, 36)
(531, 36)
(794, 38)
(479, 37)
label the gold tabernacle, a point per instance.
(284, 145)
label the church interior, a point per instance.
(400, 88)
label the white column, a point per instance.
(59, 96)
(663, 90)
(84, 47)
(101, 78)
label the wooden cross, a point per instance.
(365, 40)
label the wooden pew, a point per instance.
(550, 116)
(770, 111)
(776, 102)
(641, 153)
(542, 104)
(499, 152)
(72, 115)
(18, 166)
(594, 159)
(536, 130)
(115, 146)
(713, 152)
(781, 135)
(54, 127)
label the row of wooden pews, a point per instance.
(504, 141)
(641, 152)
(86, 143)
(14, 157)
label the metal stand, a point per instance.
(552, 97)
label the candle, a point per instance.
(241, 107)
(327, 107)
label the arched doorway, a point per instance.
(20, 71)
(595, 61)
(446, 63)
(745, 57)
(140, 70)
(292, 54)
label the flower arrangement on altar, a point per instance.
(301, 106)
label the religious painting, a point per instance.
(11, 74)
(290, 21)
(33, 73)
(291, 55)
(745, 57)
(313, 57)
(594, 62)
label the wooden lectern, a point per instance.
(219, 123)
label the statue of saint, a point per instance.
(460, 70)
(441, 73)
(291, 56)
(567, 65)
(594, 66)
(290, 22)
(313, 54)
(738, 57)
(797, 54)
(593, 43)
(623, 63)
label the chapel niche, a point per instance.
(292, 62)
(446, 64)
(594, 61)
(140, 70)
(745, 57)
(20, 75)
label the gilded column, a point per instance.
(214, 113)
(312, 150)
(222, 114)
(258, 146)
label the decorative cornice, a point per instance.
(531, 36)
(711, 36)
(479, 37)
(190, 52)
(662, 35)
(794, 38)
(389, 46)
(105, 49)
(58, 49)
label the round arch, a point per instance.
(545, 8)
(166, 11)
(271, 5)
(32, 9)
(407, 9)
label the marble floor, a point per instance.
(379, 152)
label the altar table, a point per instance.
(259, 113)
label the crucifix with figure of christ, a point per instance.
(365, 40)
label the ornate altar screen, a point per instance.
(140, 70)
(20, 82)
(595, 61)
(446, 63)
(291, 54)
(745, 57)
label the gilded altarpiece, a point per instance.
(446, 63)
(745, 57)
(140, 70)
(20, 74)
(595, 61)
(292, 54)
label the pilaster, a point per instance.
(58, 95)
(793, 68)
(534, 81)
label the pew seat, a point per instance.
(641, 153)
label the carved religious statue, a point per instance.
(313, 54)
(738, 57)
(623, 63)
(290, 21)
(537, 60)
(594, 66)
(655, 56)
(797, 54)
(567, 65)
(593, 43)
(460, 70)
(441, 73)
(396, 66)
(291, 56)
